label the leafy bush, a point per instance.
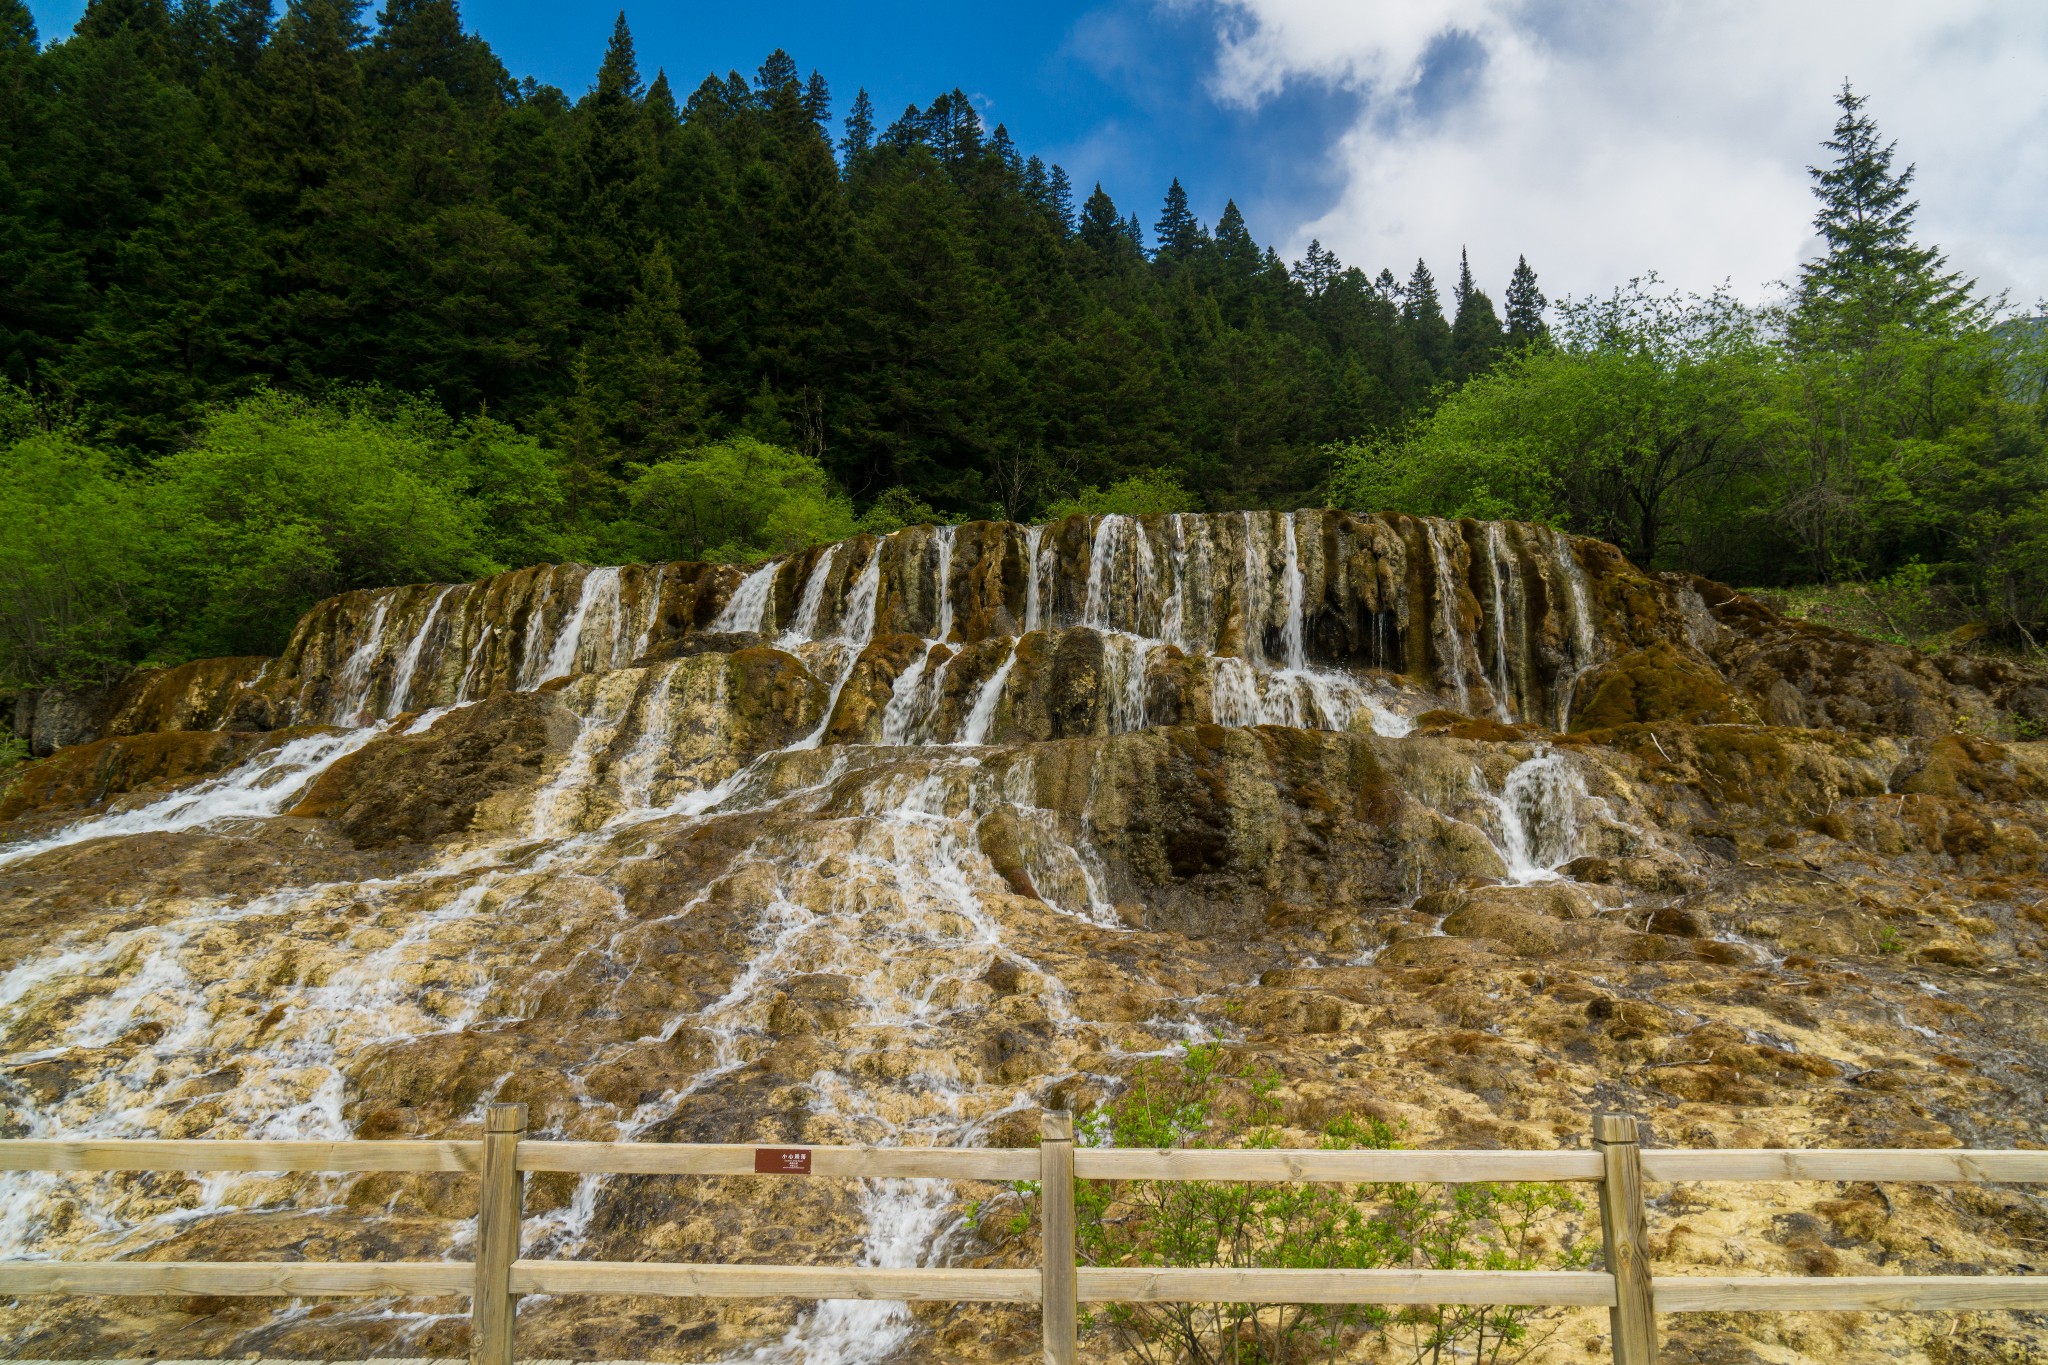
(735, 500)
(897, 508)
(283, 502)
(80, 566)
(1148, 493)
(1205, 1100)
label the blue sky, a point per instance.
(1603, 141)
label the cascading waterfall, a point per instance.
(409, 661)
(1450, 633)
(859, 864)
(748, 608)
(354, 684)
(1537, 812)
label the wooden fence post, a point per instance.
(1059, 1309)
(1633, 1318)
(497, 1236)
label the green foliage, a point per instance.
(1205, 1099)
(283, 502)
(1149, 492)
(897, 508)
(80, 565)
(733, 501)
(193, 208)
(279, 502)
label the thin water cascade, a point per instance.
(1450, 632)
(1293, 646)
(1033, 611)
(1583, 634)
(943, 581)
(600, 592)
(355, 684)
(1537, 811)
(268, 784)
(982, 716)
(409, 662)
(747, 609)
(1501, 680)
(811, 603)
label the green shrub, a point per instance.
(735, 500)
(1204, 1099)
(1151, 492)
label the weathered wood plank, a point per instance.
(235, 1278)
(1845, 1164)
(1565, 1288)
(148, 1154)
(1059, 1306)
(1633, 1319)
(775, 1281)
(661, 1158)
(1724, 1293)
(499, 1202)
(1099, 1163)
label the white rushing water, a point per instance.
(748, 608)
(268, 784)
(1537, 813)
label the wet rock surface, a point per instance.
(1468, 827)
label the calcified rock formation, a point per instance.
(1468, 825)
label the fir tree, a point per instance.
(1476, 335)
(1317, 269)
(860, 129)
(1423, 316)
(818, 100)
(1177, 232)
(1525, 306)
(1874, 272)
(1061, 191)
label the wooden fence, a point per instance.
(1616, 1163)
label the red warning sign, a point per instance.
(782, 1161)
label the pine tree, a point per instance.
(1317, 269)
(1525, 306)
(1476, 335)
(1423, 317)
(1177, 232)
(860, 129)
(1234, 243)
(1062, 192)
(245, 27)
(818, 100)
(1874, 273)
(616, 172)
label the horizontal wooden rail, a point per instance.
(666, 1158)
(1664, 1164)
(1002, 1164)
(1756, 1293)
(1617, 1164)
(1526, 1288)
(1180, 1163)
(236, 1278)
(915, 1285)
(148, 1154)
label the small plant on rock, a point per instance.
(1204, 1099)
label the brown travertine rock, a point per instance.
(1643, 846)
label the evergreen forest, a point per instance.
(298, 301)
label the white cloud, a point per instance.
(1605, 140)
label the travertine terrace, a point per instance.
(1472, 826)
